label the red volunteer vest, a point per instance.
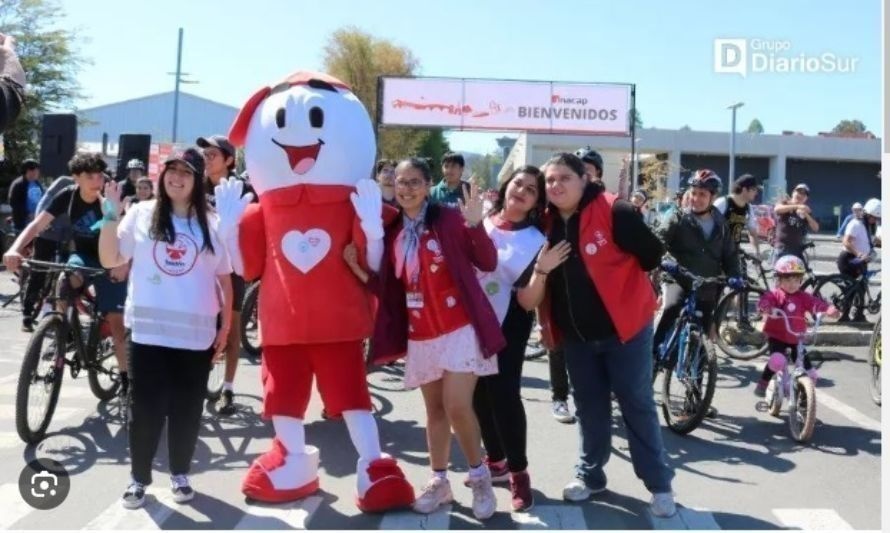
(619, 280)
(441, 312)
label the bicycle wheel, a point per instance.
(250, 331)
(774, 395)
(687, 392)
(103, 373)
(40, 379)
(740, 324)
(835, 289)
(215, 380)
(802, 415)
(874, 360)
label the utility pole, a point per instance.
(179, 79)
(731, 176)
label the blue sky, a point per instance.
(666, 48)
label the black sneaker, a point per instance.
(182, 490)
(28, 325)
(226, 404)
(134, 496)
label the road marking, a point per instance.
(686, 518)
(294, 515)
(829, 401)
(157, 509)
(10, 439)
(438, 520)
(14, 507)
(61, 413)
(551, 517)
(811, 519)
(10, 389)
(9, 379)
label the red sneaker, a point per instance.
(522, 498)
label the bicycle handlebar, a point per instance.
(776, 313)
(48, 266)
(675, 269)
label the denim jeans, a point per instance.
(597, 368)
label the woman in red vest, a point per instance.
(433, 312)
(598, 306)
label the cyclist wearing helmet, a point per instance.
(795, 303)
(858, 249)
(794, 220)
(698, 238)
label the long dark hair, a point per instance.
(162, 217)
(535, 215)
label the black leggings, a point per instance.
(166, 384)
(44, 250)
(559, 376)
(497, 400)
(779, 346)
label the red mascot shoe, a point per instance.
(279, 476)
(385, 486)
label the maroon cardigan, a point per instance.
(463, 248)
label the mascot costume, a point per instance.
(309, 147)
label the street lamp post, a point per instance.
(731, 177)
(179, 79)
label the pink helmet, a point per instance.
(790, 265)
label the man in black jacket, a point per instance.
(12, 83)
(699, 240)
(24, 194)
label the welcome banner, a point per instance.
(503, 105)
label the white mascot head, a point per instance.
(308, 129)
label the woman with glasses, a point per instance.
(434, 313)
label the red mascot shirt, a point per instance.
(293, 240)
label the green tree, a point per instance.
(637, 118)
(755, 127)
(849, 126)
(51, 61)
(358, 58)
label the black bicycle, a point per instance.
(79, 339)
(687, 361)
(850, 295)
(250, 330)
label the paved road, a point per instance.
(738, 471)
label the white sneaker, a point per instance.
(577, 491)
(662, 505)
(134, 496)
(182, 491)
(435, 493)
(484, 503)
(560, 411)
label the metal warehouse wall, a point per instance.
(834, 183)
(154, 115)
(756, 166)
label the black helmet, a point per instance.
(589, 155)
(706, 179)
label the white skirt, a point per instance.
(458, 352)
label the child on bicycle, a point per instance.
(795, 303)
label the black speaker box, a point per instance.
(132, 146)
(57, 144)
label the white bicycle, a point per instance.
(794, 384)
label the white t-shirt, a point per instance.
(172, 297)
(858, 234)
(516, 251)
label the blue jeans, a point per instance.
(597, 368)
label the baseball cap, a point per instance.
(30, 164)
(217, 141)
(192, 159)
(641, 193)
(802, 187)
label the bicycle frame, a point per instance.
(787, 377)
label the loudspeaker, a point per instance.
(58, 143)
(132, 146)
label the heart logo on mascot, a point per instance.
(305, 250)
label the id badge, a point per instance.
(414, 300)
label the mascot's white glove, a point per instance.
(368, 204)
(230, 205)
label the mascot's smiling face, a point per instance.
(310, 129)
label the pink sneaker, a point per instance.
(499, 471)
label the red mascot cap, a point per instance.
(238, 131)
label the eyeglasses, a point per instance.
(409, 184)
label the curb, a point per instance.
(843, 338)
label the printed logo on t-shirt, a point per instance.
(791, 307)
(492, 288)
(590, 249)
(178, 258)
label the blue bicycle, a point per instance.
(688, 361)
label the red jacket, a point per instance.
(796, 306)
(619, 279)
(293, 240)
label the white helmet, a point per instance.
(856, 206)
(873, 208)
